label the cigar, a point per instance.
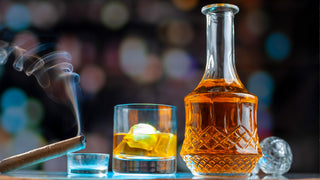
(42, 154)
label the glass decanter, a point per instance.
(221, 115)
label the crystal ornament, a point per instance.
(277, 156)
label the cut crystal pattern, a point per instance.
(213, 139)
(221, 164)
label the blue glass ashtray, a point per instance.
(87, 164)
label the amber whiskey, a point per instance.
(221, 129)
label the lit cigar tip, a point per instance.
(83, 139)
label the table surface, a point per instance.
(28, 175)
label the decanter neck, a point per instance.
(220, 42)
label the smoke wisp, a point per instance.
(53, 71)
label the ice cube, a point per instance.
(277, 156)
(166, 145)
(142, 128)
(124, 149)
(142, 136)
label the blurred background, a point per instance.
(155, 51)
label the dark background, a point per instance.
(154, 51)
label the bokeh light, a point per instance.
(5, 144)
(13, 97)
(154, 11)
(177, 64)
(26, 40)
(114, 15)
(257, 22)
(93, 78)
(14, 119)
(5, 137)
(5, 151)
(176, 32)
(262, 85)
(72, 45)
(133, 56)
(35, 112)
(185, 5)
(278, 46)
(17, 17)
(26, 140)
(152, 72)
(43, 14)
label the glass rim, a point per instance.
(98, 154)
(145, 106)
(219, 7)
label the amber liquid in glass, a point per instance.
(155, 151)
(164, 146)
(221, 129)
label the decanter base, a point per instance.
(221, 165)
(221, 175)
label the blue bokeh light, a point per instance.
(278, 46)
(13, 97)
(18, 17)
(26, 140)
(14, 119)
(262, 84)
(178, 64)
(35, 112)
(133, 56)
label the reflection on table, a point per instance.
(18, 175)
